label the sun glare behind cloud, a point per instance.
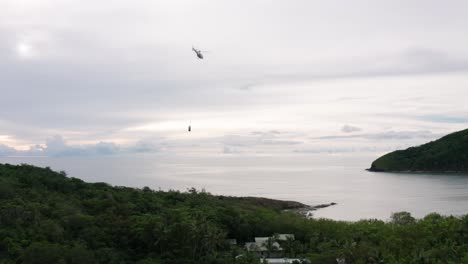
(24, 50)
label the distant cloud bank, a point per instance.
(350, 129)
(270, 142)
(388, 135)
(56, 146)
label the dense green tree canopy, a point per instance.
(46, 217)
(449, 153)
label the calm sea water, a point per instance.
(311, 179)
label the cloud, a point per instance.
(88, 81)
(143, 147)
(56, 146)
(336, 150)
(350, 129)
(262, 138)
(426, 60)
(268, 133)
(279, 142)
(387, 135)
(246, 87)
(230, 150)
(105, 148)
(445, 119)
(6, 151)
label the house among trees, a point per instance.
(285, 260)
(269, 246)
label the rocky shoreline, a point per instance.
(419, 171)
(307, 211)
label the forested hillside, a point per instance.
(449, 153)
(46, 217)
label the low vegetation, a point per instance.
(46, 217)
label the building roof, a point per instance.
(285, 236)
(260, 246)
(280, 260)
(280, 237)
(261, 239)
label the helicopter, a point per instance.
(198, 52)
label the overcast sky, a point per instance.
(105, 77)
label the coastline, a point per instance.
(416, 171)
(307, 211)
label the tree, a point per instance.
(402, 218)
(288, 246)
(271, 244)
(41, 252)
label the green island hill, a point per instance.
(447, 154)
(47, 217)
